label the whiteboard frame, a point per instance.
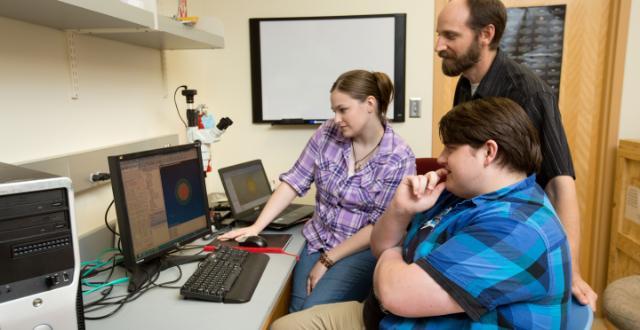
(398, 76)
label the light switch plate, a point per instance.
(414, 107)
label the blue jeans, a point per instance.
(349, 279)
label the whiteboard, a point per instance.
(294, 62)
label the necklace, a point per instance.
(359, 163)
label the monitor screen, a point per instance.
(246, 185)
(160, 199)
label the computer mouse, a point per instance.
(254, 241)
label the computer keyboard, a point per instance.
(227, 275)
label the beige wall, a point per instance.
(223, 77)
(121, 100)
(630, 112)
(122, 97)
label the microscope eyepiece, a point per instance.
(189, 94)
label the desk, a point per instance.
(161, 308)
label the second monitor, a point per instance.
(161, 204)
(248, 191)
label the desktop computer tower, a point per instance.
(39, 257)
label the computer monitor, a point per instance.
(161, 204)
(246, 186)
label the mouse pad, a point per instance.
(273, 240)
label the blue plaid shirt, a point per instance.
(503, 257)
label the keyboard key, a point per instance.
(227, 275)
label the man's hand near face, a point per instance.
(416, 193)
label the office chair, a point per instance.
(580, 316)
(424, 165)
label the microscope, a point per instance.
(200, 126)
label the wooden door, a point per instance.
(624, 259)
(592, 69)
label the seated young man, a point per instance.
(484, 248)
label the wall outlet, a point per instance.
(414, 107)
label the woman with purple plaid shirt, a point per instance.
(356, 161)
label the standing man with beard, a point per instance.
(469, 33)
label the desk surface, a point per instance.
(161, 308)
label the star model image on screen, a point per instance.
(161, 204)
(248, 187)
(248, 190)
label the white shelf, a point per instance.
(112, 19)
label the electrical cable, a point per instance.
(165, 286)
(106, 222)
(105, 288)
(92, 268)
(95, 270)
(99, 176)
(104, 296)
(120, 303)
(98, 261)
(104, 301)
(176, 103)
(111, 283)
(104, 293)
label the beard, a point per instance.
(453, 65)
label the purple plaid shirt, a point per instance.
(346, 204)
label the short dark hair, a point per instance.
(485, 12)
(360, 84)
(498, 119)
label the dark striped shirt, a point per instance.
(506, 78)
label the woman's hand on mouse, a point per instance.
(240, 232)
(315, 275)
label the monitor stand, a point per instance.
(142, 273)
